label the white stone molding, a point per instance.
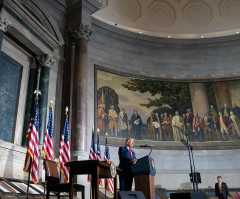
(173, 19)
(4, 24)
(45, 60)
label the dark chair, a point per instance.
(53, 181)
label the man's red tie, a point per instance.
(131, 153)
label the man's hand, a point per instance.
(134, 161)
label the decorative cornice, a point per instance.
(45, 60)
(4, 24)
(81, 31)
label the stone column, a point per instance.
(79, 92)
(4, 25)
(68, 74)
(45, 62)
(30, 99)
(199, 98)
(222, 94)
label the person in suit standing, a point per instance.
(127, 157)
(221, 189)
(136, 123)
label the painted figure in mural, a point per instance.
(236, 110)
(166, 125)
(112, 125)
(220, 109)
(198, 127)
(161, 117)
(184, 117)
(123, 123)
(188, 126)
(189, 111)
(225, 110)
(151, 128)
(158, 128)
(106, 118)
(223, 124)
(171, 132)
(207, 127)
(234, 124)
(213, 115)
(136, 123)
(101, 116)
(178, 126)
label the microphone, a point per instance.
(144, 145)
(147, 146)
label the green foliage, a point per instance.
(175, 95)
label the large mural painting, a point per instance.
(165, 111)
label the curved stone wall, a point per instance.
(174, 60)
(168, 59)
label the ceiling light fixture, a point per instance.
(140, 32)
(169, 36)
(202, 36)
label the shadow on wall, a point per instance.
(8, 171)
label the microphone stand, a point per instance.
(191, 159)
(151, 150)
(194, 171)
(148, 147)
(189, 147)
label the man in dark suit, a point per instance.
(221, 189)
(127, 157)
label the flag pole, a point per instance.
(29, 177)
(44, 192)
(66, 111)
(36, 92)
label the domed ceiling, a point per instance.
(173, 18)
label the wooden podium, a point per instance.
(98, 169)
(144, 172)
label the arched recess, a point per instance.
(37, 11)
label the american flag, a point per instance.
(33, 146)
(47, 148)
(99, 157)
(109, 181)
(64, 153)
(27, 158)
(30, 128)
(92, 154)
